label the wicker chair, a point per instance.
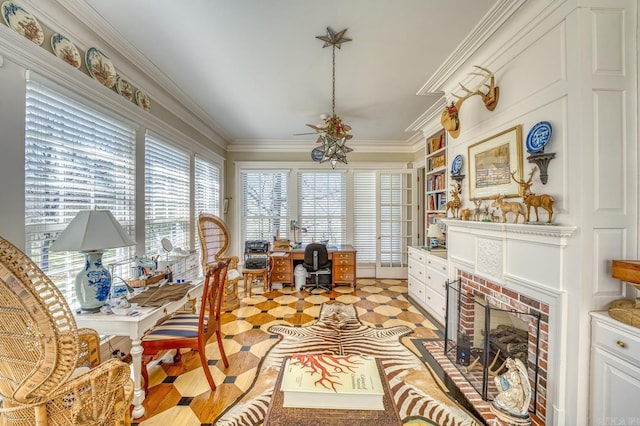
(192, 331)
(50, 371)
(214, 241)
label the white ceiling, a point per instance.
(257, 72)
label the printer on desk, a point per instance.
(256, 254)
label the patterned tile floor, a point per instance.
(179, 393)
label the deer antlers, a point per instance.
(490, 98)
(450, 119)
(525, 185)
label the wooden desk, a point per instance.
(134, 327)
(342, 257)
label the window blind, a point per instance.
(364, 215)
(167, 176)
(265, 205)
(322, 206)
(76, 158)
(207, 192)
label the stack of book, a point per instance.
(350, 382)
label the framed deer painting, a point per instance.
(491, 162)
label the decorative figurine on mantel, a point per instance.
(532, 200)
(508, 207)
(511, 405)
(477, 211)
(454, 203)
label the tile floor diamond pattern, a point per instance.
(180, 391)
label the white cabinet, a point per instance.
(436, 296)
(426, 281)
(416, 272)
(615, 371)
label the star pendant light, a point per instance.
(333, 133)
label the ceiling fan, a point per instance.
(332, 132)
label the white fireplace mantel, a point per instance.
(530, 254)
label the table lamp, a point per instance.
(92, 232)
(625, 310)
(435, 234)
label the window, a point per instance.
(364, 215)
(76, 158)
(265, 208)
(207, 191)
(166, 181)
(322, 206)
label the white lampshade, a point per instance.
(92, 230)
(434, 231)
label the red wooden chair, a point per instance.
(187, 330)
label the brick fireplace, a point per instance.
(534, 315)
(517, 267)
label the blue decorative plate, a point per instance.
(456, 166)
(317, 154)
(538, 137)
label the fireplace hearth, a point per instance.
(485, 325)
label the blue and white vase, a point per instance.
(93, 283)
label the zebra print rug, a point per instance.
(339, 331)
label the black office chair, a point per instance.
(316, 262)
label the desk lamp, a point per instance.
(625, 310)
(92, 232)
(435, 234)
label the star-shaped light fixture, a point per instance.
(333, 133)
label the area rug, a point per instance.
(339, 331)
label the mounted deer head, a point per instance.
(450, 116)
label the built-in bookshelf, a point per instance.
(435, 178)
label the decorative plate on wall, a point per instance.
(100, 67)
(22, 22)
(456, 165)
(124, 88)
(538, 137)
(143, 100)
(64, 49)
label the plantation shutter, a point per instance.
(166, 181)
(364, 215)
(322, 206)
(265, 205)
(207, 192)
(76, 158)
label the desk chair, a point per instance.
(316, 262)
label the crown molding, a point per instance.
(429, 122)
(142, 73)
(494, 18)
(262, 145)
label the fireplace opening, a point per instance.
(481, 334)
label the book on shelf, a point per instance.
(349, 382)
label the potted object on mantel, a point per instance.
(625, 310)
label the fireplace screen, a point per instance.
(480, 336)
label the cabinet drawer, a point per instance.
(344, 256)
(281, 270)
(338, 262)
(417, 269)
(416, 290)
(436, 305)
(437, 263)
(417, 255)
(281, 261)
(617, 341)
(343, 277)
(280, 277)
(436, 281)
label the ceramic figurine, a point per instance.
(512, 402)
(508, 207)
(465, 214)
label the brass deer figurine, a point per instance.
(532, 200)
(454, 203)
(508, 207)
